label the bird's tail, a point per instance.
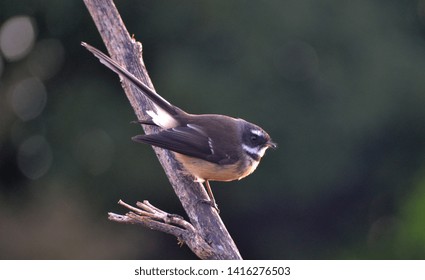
(162, 105)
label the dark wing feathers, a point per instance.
(188, 140)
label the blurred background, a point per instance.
(339, 85)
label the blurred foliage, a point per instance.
(339, 85)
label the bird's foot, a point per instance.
(210, 203)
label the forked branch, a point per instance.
(151, 217)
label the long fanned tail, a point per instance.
(158, 100)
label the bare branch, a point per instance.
(149, 216)
(206, 228)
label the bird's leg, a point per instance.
(211, 196)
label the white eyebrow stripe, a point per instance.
(257, 132)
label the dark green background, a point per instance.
(339, 85)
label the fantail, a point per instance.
(210, 147)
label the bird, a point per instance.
(210, 147)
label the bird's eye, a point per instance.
(254, 138)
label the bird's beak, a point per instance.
(271, 144)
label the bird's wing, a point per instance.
(188, 140)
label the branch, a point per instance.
(206, 227)
(149, 216)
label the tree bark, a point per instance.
(206, 234)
